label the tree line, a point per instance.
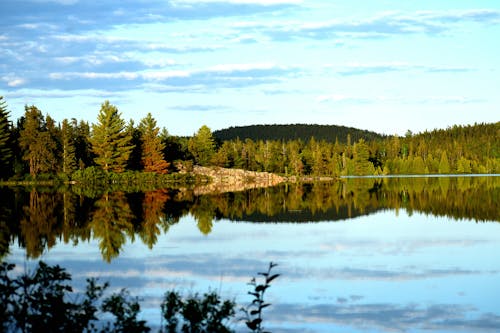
(37, 146)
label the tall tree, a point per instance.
(37, 143)
(68, 147)
(110, 142)
(152, 146)
(202, 145)
(6, 137)
(362, 165)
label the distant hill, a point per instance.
(329, 133)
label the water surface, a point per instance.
(366, 255)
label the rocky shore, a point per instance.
(232, 180)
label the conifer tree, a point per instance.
(6, 154)
(68, 147)
(362, 165)
(110, 142)
(37, 142)
(444, 165)
(152, 147)
(202, 145)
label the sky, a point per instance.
(384, 66)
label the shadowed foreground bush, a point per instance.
(44, 301)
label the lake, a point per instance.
(415, 254)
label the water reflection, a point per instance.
(37, 219)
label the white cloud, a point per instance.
(14, 81)
(93, 75)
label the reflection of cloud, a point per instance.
(390, 317)
(397, 248)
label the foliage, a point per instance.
(202, 146)
(197, 314)
(38, 140)
(6, 142)
(44, 301)
(152, 146)
(329, 133)
(38, 145)
(110, 142)
(253, 313)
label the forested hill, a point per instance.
(328, 133)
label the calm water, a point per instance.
(368, 255)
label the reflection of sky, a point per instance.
(377, 273)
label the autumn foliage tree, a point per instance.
(110, 142)
(152, 146)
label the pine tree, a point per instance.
(110, 142)
(444, 165)
(202, 146)
(362, 165)
(152, 146)
(37, 141)
(6, 154)
(68, 147)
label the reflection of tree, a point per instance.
(39, 225)
(46, 217)
(153, 216)
(203, 211)
(111, 222)
(6, 213)
(472, 198)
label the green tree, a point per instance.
(68, 147)
(202, 146)
(6, 153)
(110, 142)
(111, 223)
(152, 146)
(37, 142)
(362, 165)
(444, 165)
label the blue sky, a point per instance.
(386, 66)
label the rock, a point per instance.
(233, 180)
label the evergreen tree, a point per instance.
(362, 165)
(68, 147)
(152, 146)
(110, 142)
(444, 165)
(37, 143)
(6, 153)
(202, 146)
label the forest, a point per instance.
(328, 133)
(37, 147)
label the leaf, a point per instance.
(251, 325)
(272, 277)
(261, 287)
(264, 306)
(254, 312)
(264, 274)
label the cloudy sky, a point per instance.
(386, 66)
